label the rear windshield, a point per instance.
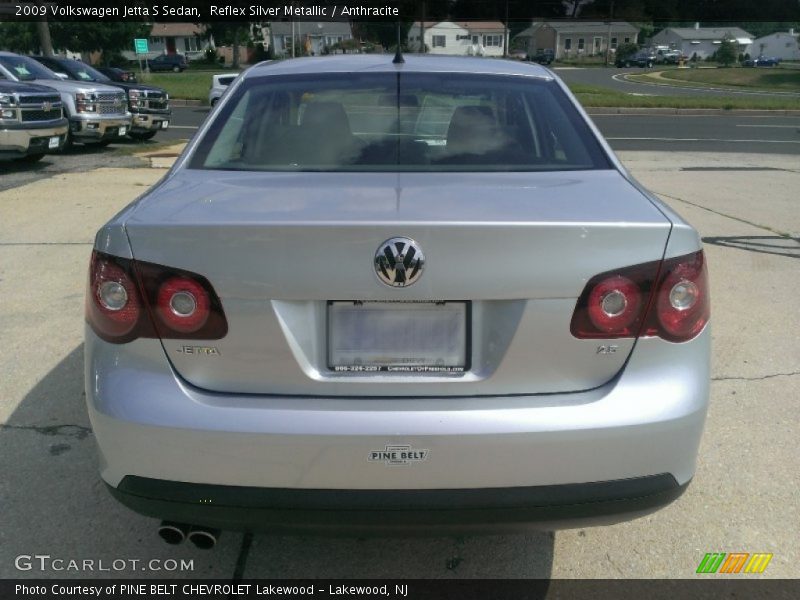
(398, 122)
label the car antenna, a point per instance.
(398, 56)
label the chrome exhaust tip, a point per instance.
(202, 538)
(173, 533)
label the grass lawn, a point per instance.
(599, 96)
(189, 85)
(780, 79)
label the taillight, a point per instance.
(183, 304)
(682, 305)
(113, 305)
(668, 299)
(127, 299)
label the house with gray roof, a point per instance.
(701, 41)
(308, 37)
(575, 39)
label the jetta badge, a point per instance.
(398, 455)
(399, 262)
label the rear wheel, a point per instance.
(214, 101)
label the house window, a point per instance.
(613, 43)
(439, 41)
(476, 39)
(287, 42)
(628, 40)
(581, 44)
(493, 40)
(191, 44)
(596, 43)
(568, 44)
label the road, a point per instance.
(743, 498)
(707, 133)
(615, 79)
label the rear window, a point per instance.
(398, 122)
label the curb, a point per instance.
(624, 110)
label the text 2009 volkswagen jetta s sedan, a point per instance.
(382, 294)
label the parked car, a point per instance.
(167, 62)
(669, 57)
(762, 61)
(458, 309)
(543, 56)
(148, 104)
(118, 74)
(219, 84)
(643, 58)
(32, 121)
(97, 113)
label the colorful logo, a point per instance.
(734, 562)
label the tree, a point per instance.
(727, 53)
(228, 33)
(110, 37)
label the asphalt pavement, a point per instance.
(743, 498)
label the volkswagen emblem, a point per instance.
(399, 262)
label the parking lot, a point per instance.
(743, 498)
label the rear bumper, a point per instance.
(396, 511)
(529, 459)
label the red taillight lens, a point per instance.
(613, 304)
(183, 305)
(682, 306)
(113, 305)
(668, 299)
(126, 298)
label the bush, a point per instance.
(726, 53)
(626, 50)
(210, 55)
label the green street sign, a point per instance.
(140, 45)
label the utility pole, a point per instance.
(422, 30)
(505, 35)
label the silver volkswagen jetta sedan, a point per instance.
(375, 294)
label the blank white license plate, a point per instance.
(123, 131)
(52, 143)
(164, 124)
(400, 337)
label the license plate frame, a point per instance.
(452, 311)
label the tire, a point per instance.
(214, 102)
(142, 136)
(31, 158)
(649, 65)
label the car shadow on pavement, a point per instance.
(765, 244)
(54, 503)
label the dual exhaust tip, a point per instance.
(204, 538)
